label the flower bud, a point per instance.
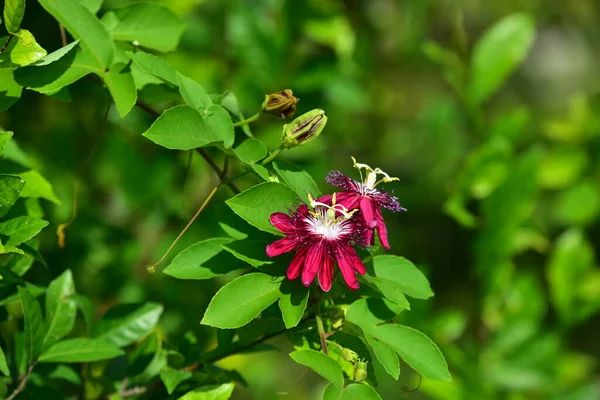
(303, 129)
(360, 372)
(281, 103)
(349, 355)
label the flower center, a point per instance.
(370, 181)
(319, 223)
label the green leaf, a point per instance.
(230, 102)
(367, 313)
(83, 25)
(402, 274)
(126, 323)
(86, 307)
(155, 66)
(323, 365)
(193, 262)
(256, 204)
(261, 171)
(121, 87)
(332, 392)
(4, 138)
(292, 302)
(14, 10)
(578, 205)
(80, 350)
(38, 187)
(250, 151)
(61, 309)
(192, 92)
(210, 392)
(357, 391)
(151, 25)
(56, 55)
(241, 300)
(172, 377)
(499, 51)
(34, 325)
(92, 5)
(65, 373)
(21, 229)
(22, 50)
(249, 251)
(10, 90)
(385, 355)
(10, 188)
(298, 179)
(3, 366)
(184, 128)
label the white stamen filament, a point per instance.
(371, 182)
(319, 223)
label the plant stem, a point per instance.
(63, 35)
(272, 156)
(3, 49)
(248, 120)
(23, 382)
(320, 328)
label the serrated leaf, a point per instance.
(292, 302)
(297, 179)
(14, 10)
(121, 86)
(21, 229)
(403, 274)
(21, 51)
(151, 25)
(10, 189)
(155, 66)
(210, 392)
(323, 365)
(192, 92)
(172, 377)
(126, 323)
(3, 366)
(37, 186)
(195, 262)
(34, 324)
(241, 300)
(83, 25)
(61, 309)
(184, 128)
(250, 151)
(80, 350)
(497, 53)
(256, 204)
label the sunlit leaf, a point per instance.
(80, 350)
(126, 323)
(323, 365)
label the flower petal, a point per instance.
(295, 267)
(326, 273)
(336, 178)
(369, 209)
(350, 200)
(281, 246)
(283, 222)
(315, 258)
(382, 230)
(345, 257)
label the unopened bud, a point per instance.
(281, 104)
(303, 129)
(360, 373)
(349, 355)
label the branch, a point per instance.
(23, 382)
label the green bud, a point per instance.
(349, 355)
(281, 104)
(360, 372)
(303, 129)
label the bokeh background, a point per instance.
(503, 197)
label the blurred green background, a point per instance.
(503, 194)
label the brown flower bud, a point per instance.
(281, 104)
(303, 129)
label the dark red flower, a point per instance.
(366, 198)
(321, 239)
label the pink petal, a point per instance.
(325, 199)
(326, 273)
(382, 230)
(283, 222)
(346, 265)
(297, 262)
(348, 199)
(368, 209)
(358, 265)
(315, 258)
(282, 246)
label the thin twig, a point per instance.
(321, 329)
(23, 382)
(3, 49)
(63, 35)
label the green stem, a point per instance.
(248, 120)
(320, 328)
(272, 156)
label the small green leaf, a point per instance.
(83, 25)
(241, 300)
(332, 392)
(61, 309)
(210, 392)
(230, 102)
(4, 138)
(126, 323)
(292, 302)
(65, 373)
(56, 55)
(172, 377)
(401, 273)
(298, 179)
(10, 90)
(155, 66)
(385, 355)
(256, 204)
(10, 189)
(261, 171)
(499, 51)
(184, 128)
(3, 366)
(249, 251)
(80, 350)
(192, 92)
(251, 151)
(151, 25)
(21, 229)
(34, 324)
(323, 365)
(92, 5)
(37, 186)
(194, 262)
(14, 10)
(357, 391)
(121, 87)
(367, 313)
(21, 51)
